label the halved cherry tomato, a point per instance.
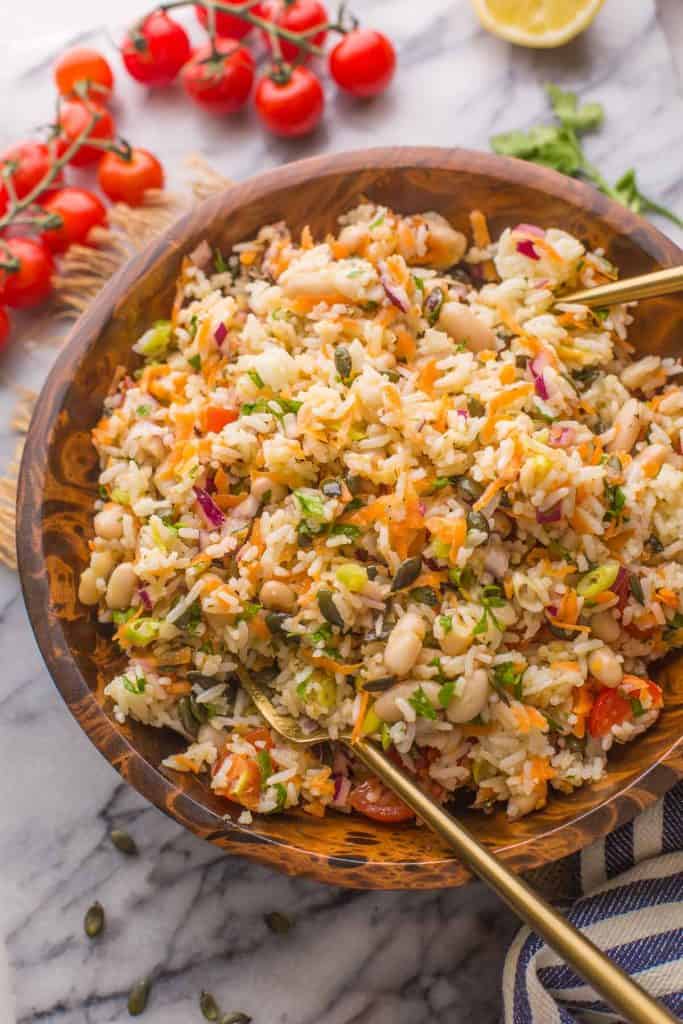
(609, 709)
(155, 50)
(375, 801)
(74, 118)
(243, 781)
(219, 79)
(30, 162)
(292, 107)
(216, 417)
(262, 737)
(80, 211)
(30, 282)
(127, 180)
(85, 72)
(226, 24)
(296, 16)
(4, 327)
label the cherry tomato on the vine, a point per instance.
(74, 118)
(126, 180)
(296, 16)
(80, 211)
(30, 162)
(293, 106)
(30, 281)
(84, 71)
(155, 50)
(219, 80)
(375, 801)
(4, 327)
(226, 24)
(363, 62)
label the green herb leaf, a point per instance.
(195, 362)
(256, 378)
(265, 765)
(446, 623)
(566, 109)
(616, 499)
(421, 704)
(446, 693)
(636, 707)
(135, 685)
(310, 504)
(143, 410)
(507, 676)
(345, 530)
(219, 264)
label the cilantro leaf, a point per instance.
(626, 190)
(566, 109)
(446, 693)
(421, 704)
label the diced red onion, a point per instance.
(536, 369)
(340, 762)
(464, 413)
(549, 515)
(526, 248)
(421, 507)
(530, 229)
(561, 437)
(145, 599)
(396, 293)
(621, 587)
(342, 789)
(210, 485)
(209, 507)
(552, 609)
(220, 334)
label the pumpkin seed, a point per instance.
(93, 922)
(432, 306)
(379, 685)
(372, 572)
(187, 719)
(406, 573)
(124, 841)
(278, 922)
(424, 595)
(475, 407)
(329, 610)
(353, 483)
(208, 1006)
(199, 711)
(331, 488)
(478, 521)
(343, 362)
(636, 589)
(274, 621)
(236, 1017)
(467, 489)
(137, 999)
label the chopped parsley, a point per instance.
(135, 685)
(278, 407)
(195, 362)
(446, 623)
(446, 693)
(311, 505)
(421, 704)
(265, 765)
(615, 499)
(143, 410)
(249, 610)
(344, 530)
(506, 676)
(256, 378)
(491, 598)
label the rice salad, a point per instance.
(431, 503)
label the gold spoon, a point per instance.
(620, 991)
(646, 286)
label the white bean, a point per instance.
(87, 588)
(387, 708)
(445, 245)
(121, 587)
(626, 427)
(455, 642)
(465, 327)
(605, 666)
(102, 563)
(108, 523)
(404, 644)
(473, 699)
(605, 627)
(275, 594)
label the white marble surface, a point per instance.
(182, 911)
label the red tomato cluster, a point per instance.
(56, 215)
(219, 76)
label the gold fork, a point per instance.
(610, 981)
(645, 286)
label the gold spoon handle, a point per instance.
(620, 991)
(646, 286)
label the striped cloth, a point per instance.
(632, 908)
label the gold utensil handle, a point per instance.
(620, 991)
(646, 286)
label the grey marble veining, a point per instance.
(182, 912)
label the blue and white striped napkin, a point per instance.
(632, 909)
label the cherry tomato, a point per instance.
(296, 16)
(216, 417)
(221, 84)
(30, 283)
(243, 781)
(126, 181)
(363, 62)
(87, 69)
(31, 162)
(155, 50)
(80, 211)
(262, 737)
(226, 24)
(375, 801)
(74, 118)
(5, 326)
(610, 709)
(293, 107)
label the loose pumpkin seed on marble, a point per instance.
(208, 1006)
(93, 922)
(237, 1017)
(137, 999)
(278, 922)
(406, 574)
(124, 842)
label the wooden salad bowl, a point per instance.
(58, 484)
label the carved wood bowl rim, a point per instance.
(388, 860)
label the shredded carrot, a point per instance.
(541, 769)
(482, 239)
(570, 626)
(306, 238)
(179, 688)
(568, 610)
(358, 725)
(340, 250)
(668, 597)
(489, 494)
(427, 377)
(450, 531)
(405, 344)
(508, 373)
(508, 588)
(259, 627)
(247, 258)
(499, 402)
(430, 579)
(330, 664)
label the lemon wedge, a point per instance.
(541, 23)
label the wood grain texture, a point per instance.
(58, 485)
